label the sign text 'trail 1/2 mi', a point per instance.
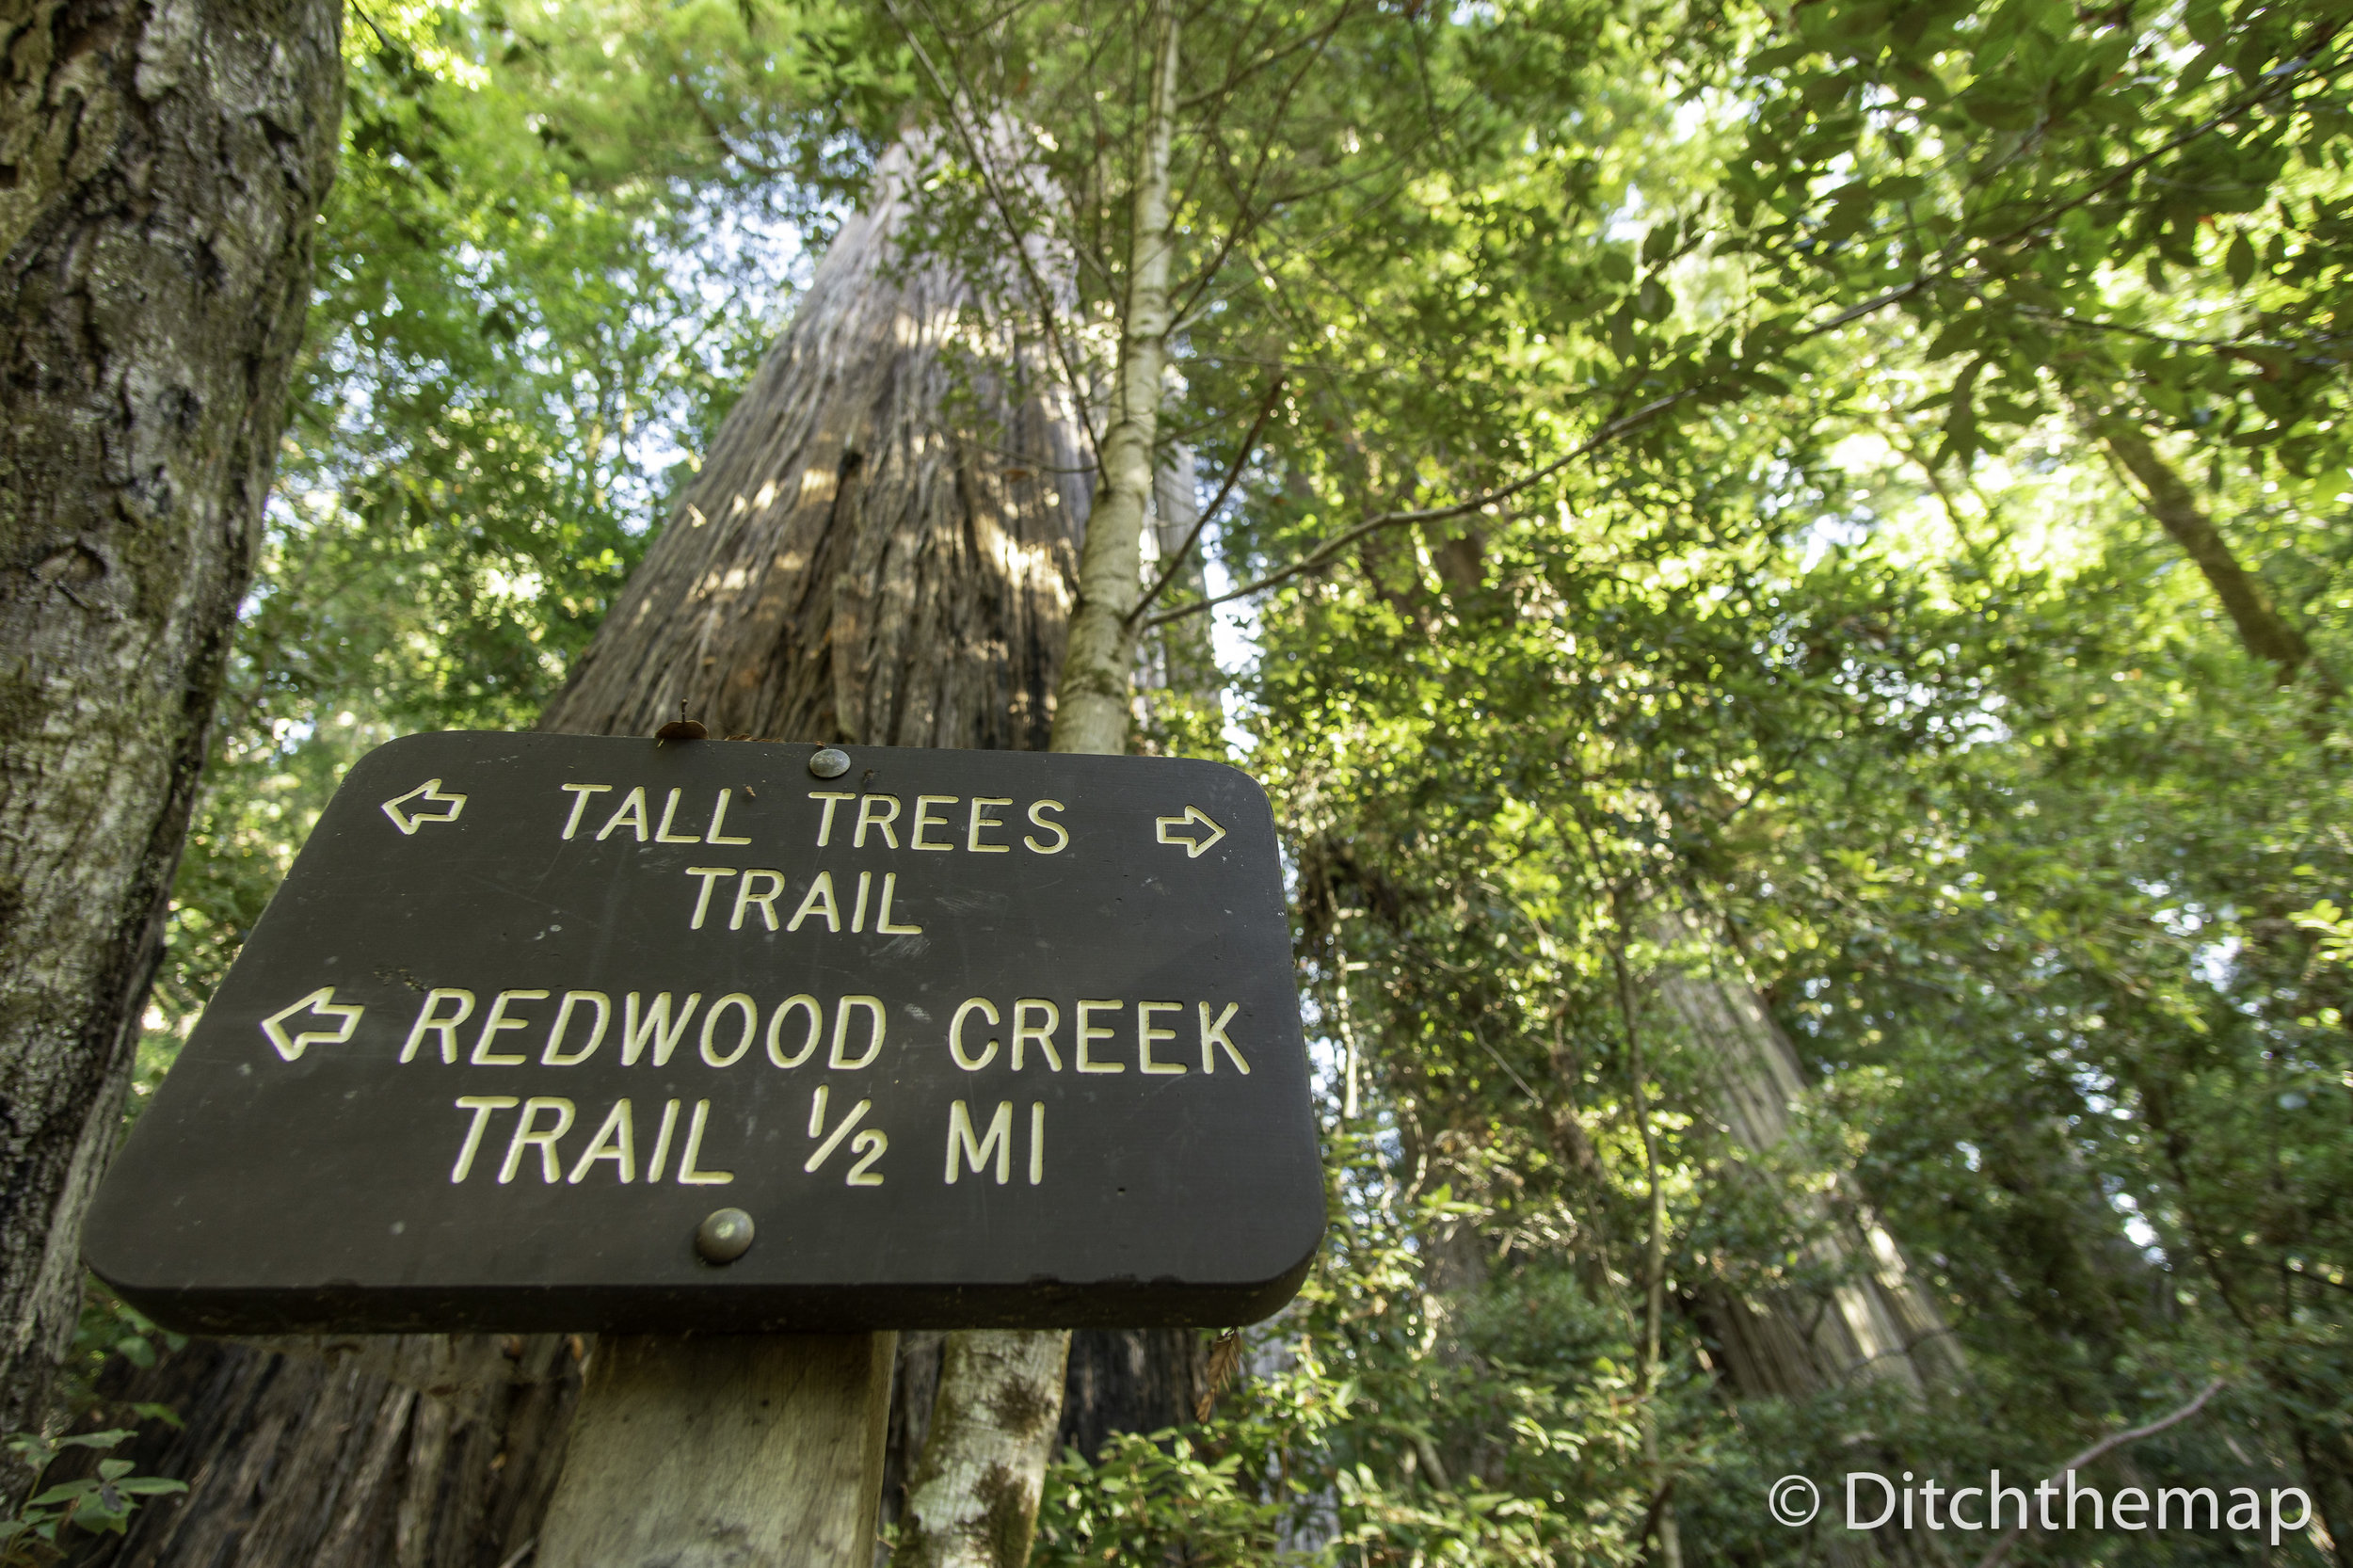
(542, 1030)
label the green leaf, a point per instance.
(64, 1492)
(1959, 336)
(2000, 109)
(2240, 263)
(1960, 419)
(151, 1486)
(107, 1439)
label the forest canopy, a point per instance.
(1790, 583)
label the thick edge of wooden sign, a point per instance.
(712, 1307)
(692, 1296)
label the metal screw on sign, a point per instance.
(831, 762)
(723, 1236)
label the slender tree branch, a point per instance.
(1246, 212)
(1323, 552)
(2239, 348)
(1013, 9)
(2100, 1450)
(1177, 558)
(1660, 1522)
(1225, 88)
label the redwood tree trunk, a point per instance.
(849, 566)
(1877, 1323)
(162, 165)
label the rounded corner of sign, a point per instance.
(1279, 1292)
(94, 1259)
(98, 1227)
(1311, 1248)
(1277, 1286)
(399, 746)
(121, 1281)
(1223, 768)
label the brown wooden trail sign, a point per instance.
(549, 1031)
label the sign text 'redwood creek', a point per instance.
(561, 1032)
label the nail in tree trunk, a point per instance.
(164, 167)
(848, 567)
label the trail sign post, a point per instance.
(559, 1032)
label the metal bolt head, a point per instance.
(831, 762)
(723, 1236)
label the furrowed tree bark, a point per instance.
(414, 1452)
(847, 568)
(975, 1497)
(163, 165)
(1876, 1324)
(1140, 1380)
(850, 566)
(2261, 629)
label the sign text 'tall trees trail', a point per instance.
(557, 1033)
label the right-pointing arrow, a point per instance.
(1168, 834)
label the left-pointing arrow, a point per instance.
(321, 1002)
(427, 793)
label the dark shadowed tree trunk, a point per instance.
(160, 165)
(849, 566)
(378, 1450)
(1130, 1380)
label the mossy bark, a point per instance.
(162, 167)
